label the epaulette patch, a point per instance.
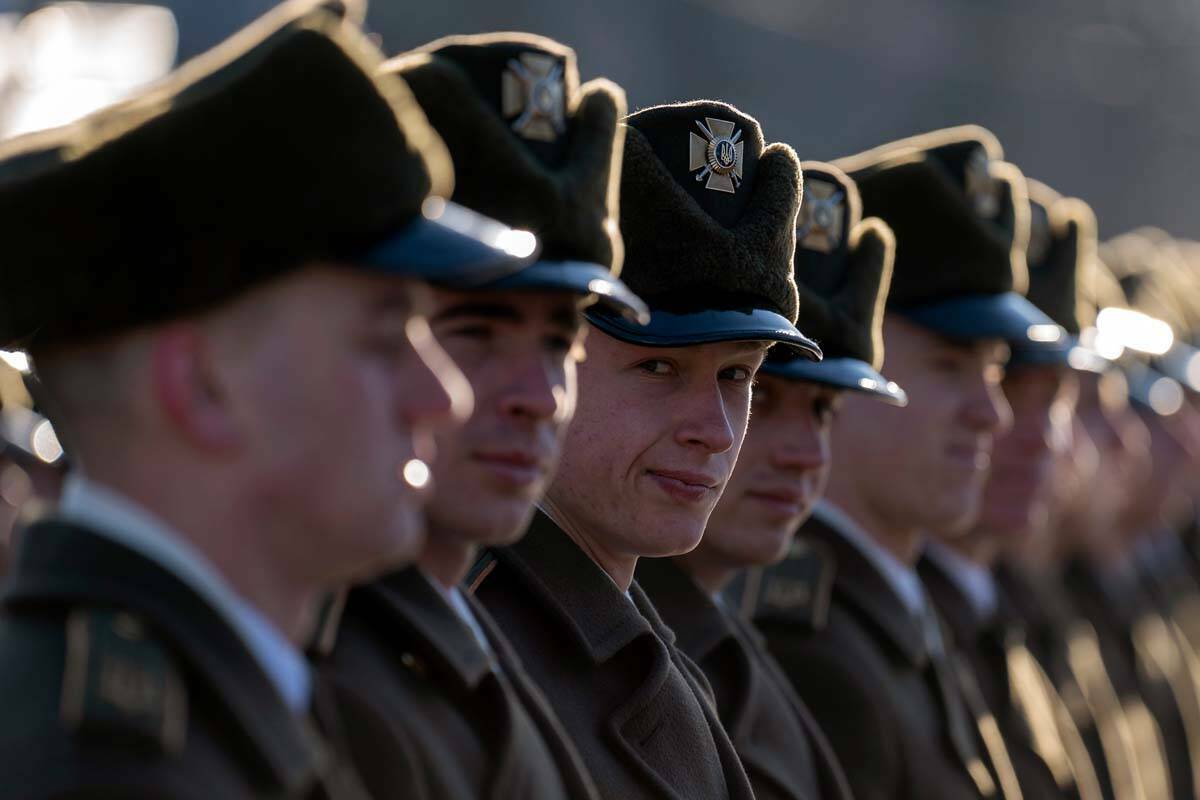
(118, 682)
(796, 589)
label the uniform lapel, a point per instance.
(834, 785)
(434, 639)
(574, 774)
(706, 635)
(603, 623)
(865, 590)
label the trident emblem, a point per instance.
(718, 155)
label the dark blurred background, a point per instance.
(1095, 97)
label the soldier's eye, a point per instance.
(468, 332)
(824, 410)
(656, 366)
(737, 374)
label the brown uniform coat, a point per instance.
(783, 750)
(430, 714)
(859, 661)
(1147, 667)
(120, 681)
(638, 710)
(988, 644)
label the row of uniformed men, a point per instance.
(283, 364)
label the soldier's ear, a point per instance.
(187, 390)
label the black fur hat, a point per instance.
(961, 220)
(278, 148)
(1061, 253)
(843, 272)
(708, 213)
(533, 149)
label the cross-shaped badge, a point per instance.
(718, 155)
(531, 89)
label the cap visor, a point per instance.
(1062, 355)
(455, 247)
(1182, 362)
(1007, 316)
(840, 373)
(706, 327)
(579, 277)
(1153, 391)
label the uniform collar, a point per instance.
(975, 583)
(416, 614)
(862, 581)
(598, 615)
(901, 577)
(698, 622)
(458, 602)
(107, 513)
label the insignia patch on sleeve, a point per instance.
(118, 682)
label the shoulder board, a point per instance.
(795, 590)
(119, 682)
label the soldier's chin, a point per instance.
(669, 535)
(954, 512)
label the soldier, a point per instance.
(1047, 751)
(32, 466)
(436, 703)
(219, 283)
(866, 651)
(843, 270)
(708, 216)
(1094, 558)
(1145, 586)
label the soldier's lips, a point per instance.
(969, 457)
(783, 501)
(513, 467)
(684, 486)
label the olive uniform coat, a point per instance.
(119, 680)
(893, 713)
(783, 750)
(430, 714)
(639, 711)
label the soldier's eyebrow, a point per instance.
(753, 348)
(398, 301)
(480, 309)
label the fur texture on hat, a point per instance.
(276, 149)
(960, 216)
(1061, 264)
(843, 286)
(689, 248)
(565, 190)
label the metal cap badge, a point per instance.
(821, 224)
(718, 155)
(531, 90)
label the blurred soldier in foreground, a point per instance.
(865, 649)
(435, 702)
(843, 270)
(219, 284)
(708, 215)
(32, 465)
(1048, 753)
